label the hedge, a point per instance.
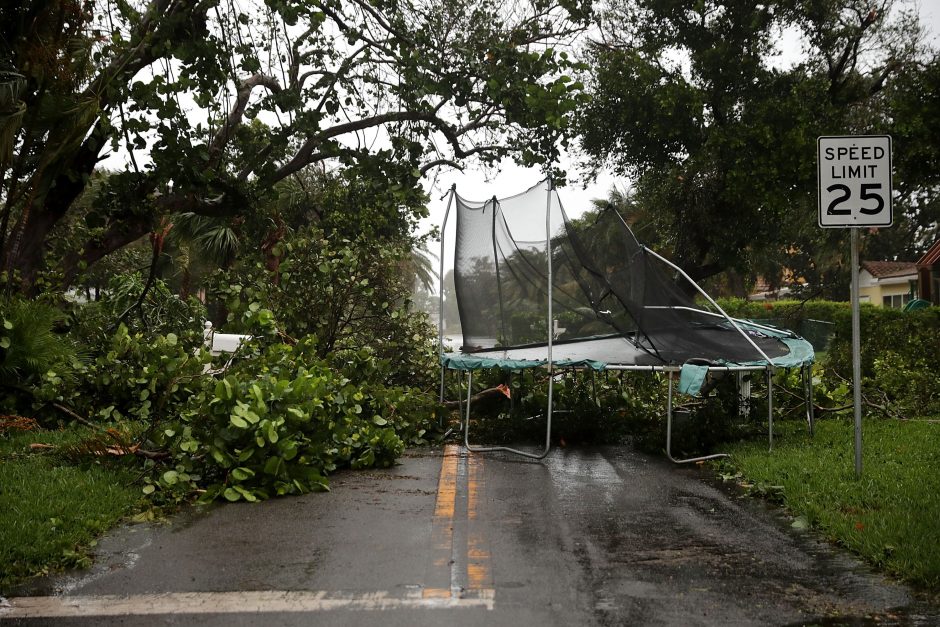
(900, 353)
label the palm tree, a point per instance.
(200, 242)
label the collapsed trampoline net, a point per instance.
(603, 283)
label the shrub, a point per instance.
(279, 422)
(896, 348)
(160, 313)
(348, 295)
(136, 377)
(600, 408)
(32, 353)
(29, 343)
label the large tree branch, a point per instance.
(305, 155)
(879, 81)
(118, 234)
(238, 111)
(157, 26)
(849, 54)
(345, 28)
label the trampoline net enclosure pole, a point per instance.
(499, 282)
(440, 287)
(551, 323)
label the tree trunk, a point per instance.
(117, 236)
(26, 252)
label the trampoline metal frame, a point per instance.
(670, 370)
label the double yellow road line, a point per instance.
(460, 557)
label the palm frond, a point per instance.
(422, 265)
(35, 347)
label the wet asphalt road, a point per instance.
(589, 536)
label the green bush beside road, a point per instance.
(900, 375)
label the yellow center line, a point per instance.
(442, 529)
(459, 557)
(447, 484)
(478, 558)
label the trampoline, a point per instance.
(536, 288)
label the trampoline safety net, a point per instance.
(604, 284)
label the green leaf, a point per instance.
(238, 421)
(379, 421)
(271, 433)
(246, 494)
(231, 494)
(170, 477)
(241, 473)
(246, 454)
(273, 465)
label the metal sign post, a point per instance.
(856, 357)
(854, 175)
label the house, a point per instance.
(928, 275)
(887, 283)
(762, 290)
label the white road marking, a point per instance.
(247, 602)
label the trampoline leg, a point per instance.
(466, 418)
(770, 408)
(808, 392)
(669, 434)
(594, 386)
(443, 373)
(460, 397)
(442, 385)
(489, 449)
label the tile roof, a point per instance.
(885, 269)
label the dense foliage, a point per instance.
(349, 295)
(339, 373)
(216, 105)
(282, 419)
(695, 102)
(899, 374)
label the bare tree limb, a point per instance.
(238, 111)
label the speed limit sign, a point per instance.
(854, 180)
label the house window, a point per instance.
(896, 300)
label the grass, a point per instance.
(890, 517)
(51, 510)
